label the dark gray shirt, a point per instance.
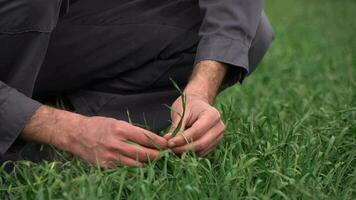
(226, 34)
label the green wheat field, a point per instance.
(291, 127)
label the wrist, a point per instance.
(67, 129)
(51, 126)
(206, 79)
(194, 89)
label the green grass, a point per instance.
(291, 128)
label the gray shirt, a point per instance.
(226, 34)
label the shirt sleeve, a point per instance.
(16, 110)
(227, 31)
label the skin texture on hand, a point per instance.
(202, 127)
(97, 140)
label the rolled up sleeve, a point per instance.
(227, 31)
(16, 110)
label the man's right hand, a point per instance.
(98, 140)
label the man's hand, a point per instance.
(202, 128)
(97, 140)
(106, 140)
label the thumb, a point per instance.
(177, 126)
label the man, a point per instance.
(104, 58)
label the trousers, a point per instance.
(107, 58)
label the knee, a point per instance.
(18, 16)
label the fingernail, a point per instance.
(171, 144)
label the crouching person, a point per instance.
(103, 59)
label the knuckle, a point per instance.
(107, 157)
(215, 114)
(152, 156)
(178, 139)
(120, 127)
(151, 136)
(223, 126)
(155, 154)
(105, 165)
(175, 119)
(139, 153)
(142, 154)
(179, 150)
(199, 146)
(108, 164)
(116, 127)
(162, 142)
(111, 144)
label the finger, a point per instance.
(136, 152)
(124, 160)
(151, 139)
(212, 147)
(197, 130)
(168, 136)
(143, 137)
(175, 120)
(113, 160)
(175, 123)
(209, 138)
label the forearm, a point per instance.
(51, 126)
(206, 79)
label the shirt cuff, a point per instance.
(15, 112)
(232, 52)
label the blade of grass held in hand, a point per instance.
(180, 123)
(152, 142)
(176, 86)
(172, 109)
(128, 116)
(179, 126)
